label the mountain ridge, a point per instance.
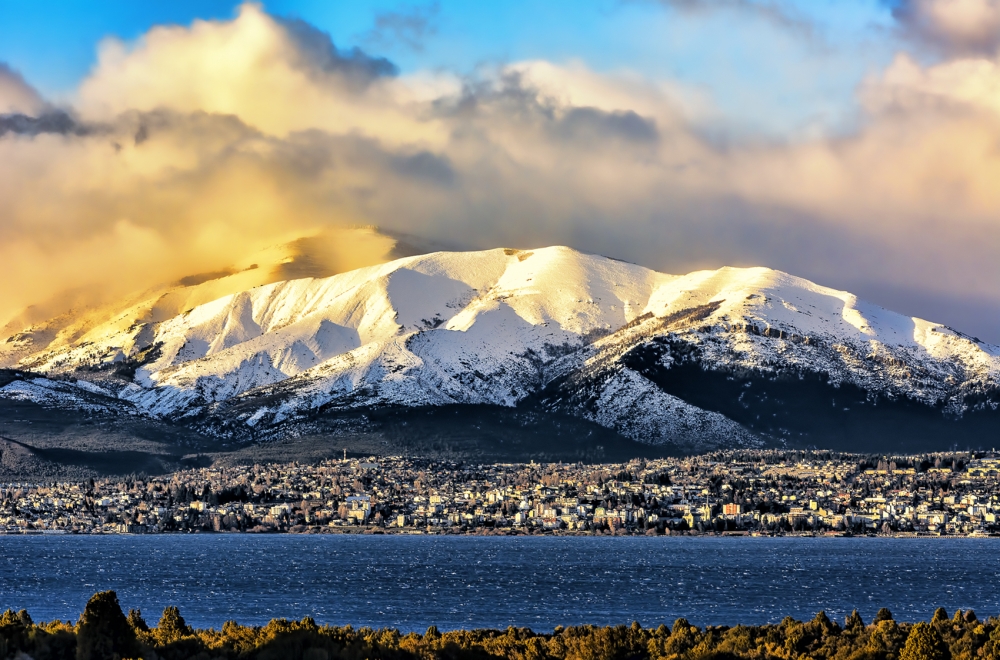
(552, 331)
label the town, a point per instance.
(724, 493)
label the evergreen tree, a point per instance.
(137, 622)
(172, 626)
(14, 633)
(925, 643)
(854, 621)
(883, 615)
(103, 632)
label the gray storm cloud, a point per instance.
(407, 28)
(954, 26)
(17, 96)
(197, 146)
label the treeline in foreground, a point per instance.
(104, 632)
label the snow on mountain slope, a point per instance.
(769, 337)
(829, 331)
(57, 394)
(92, 329)
(463, 327)
(772, 298)
(507, 327)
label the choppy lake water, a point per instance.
(411, 582)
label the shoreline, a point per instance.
(506, 533)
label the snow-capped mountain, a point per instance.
(731, 357)
(76, 317)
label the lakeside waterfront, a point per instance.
(759, 493)
(513, 532)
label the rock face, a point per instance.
(731, 357)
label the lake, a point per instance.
(411, 582)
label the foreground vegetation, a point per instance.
(105, 632)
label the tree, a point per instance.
(14, 632)
(137, 622)
(886, 638)
(172, 627)
(883, 615)
(925, 643)
(103, 632)
(823, 623)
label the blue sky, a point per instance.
(783, 68)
